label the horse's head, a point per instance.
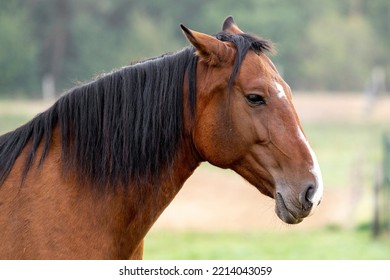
(245, 120)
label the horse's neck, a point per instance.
(146, 214)
(115, 220)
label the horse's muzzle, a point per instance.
(288, 213)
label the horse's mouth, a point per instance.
(284, 213)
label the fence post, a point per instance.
(381, 192)
(376, 224)
(386, 184)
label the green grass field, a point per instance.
(342, 149)
(321, 244)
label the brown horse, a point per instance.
(87, 178)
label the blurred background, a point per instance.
(334, 54)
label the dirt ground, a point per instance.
(216, 199)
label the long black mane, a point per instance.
(125, 125)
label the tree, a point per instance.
(18, 51)
(339, 54)
(322, 45)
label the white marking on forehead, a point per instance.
(315, 170)
(281, 93)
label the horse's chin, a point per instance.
(283, 213)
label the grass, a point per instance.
(14, 113)
(331, 243)
(344, 149)
(11, 121)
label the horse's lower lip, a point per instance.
(283, 213)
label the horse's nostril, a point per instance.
(306, 197)
(310, 193)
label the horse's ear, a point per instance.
(230, 26)
(208, 48)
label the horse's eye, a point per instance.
(255, 99)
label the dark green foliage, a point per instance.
(331, 45)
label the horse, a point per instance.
(88, 177)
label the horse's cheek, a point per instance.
(218, 142)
